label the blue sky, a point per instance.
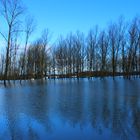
(64, 16)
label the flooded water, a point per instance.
(70, 109)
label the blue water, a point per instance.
(70, 109)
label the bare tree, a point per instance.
(103, 50)
(69, 44)
(29, 28)
(1, 64)
(134, 39)
(115, 39)
(78, 53)
(91, 49)
(45, 38)
(13, 66)
(60, 56)
(10, 10)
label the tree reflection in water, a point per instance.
(71, 109)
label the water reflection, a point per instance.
(71, 109)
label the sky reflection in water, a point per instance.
(71, 109)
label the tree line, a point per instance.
(112, 51)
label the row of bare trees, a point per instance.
(114, 50)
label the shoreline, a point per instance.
(75, 75)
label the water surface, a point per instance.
(70, 109)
